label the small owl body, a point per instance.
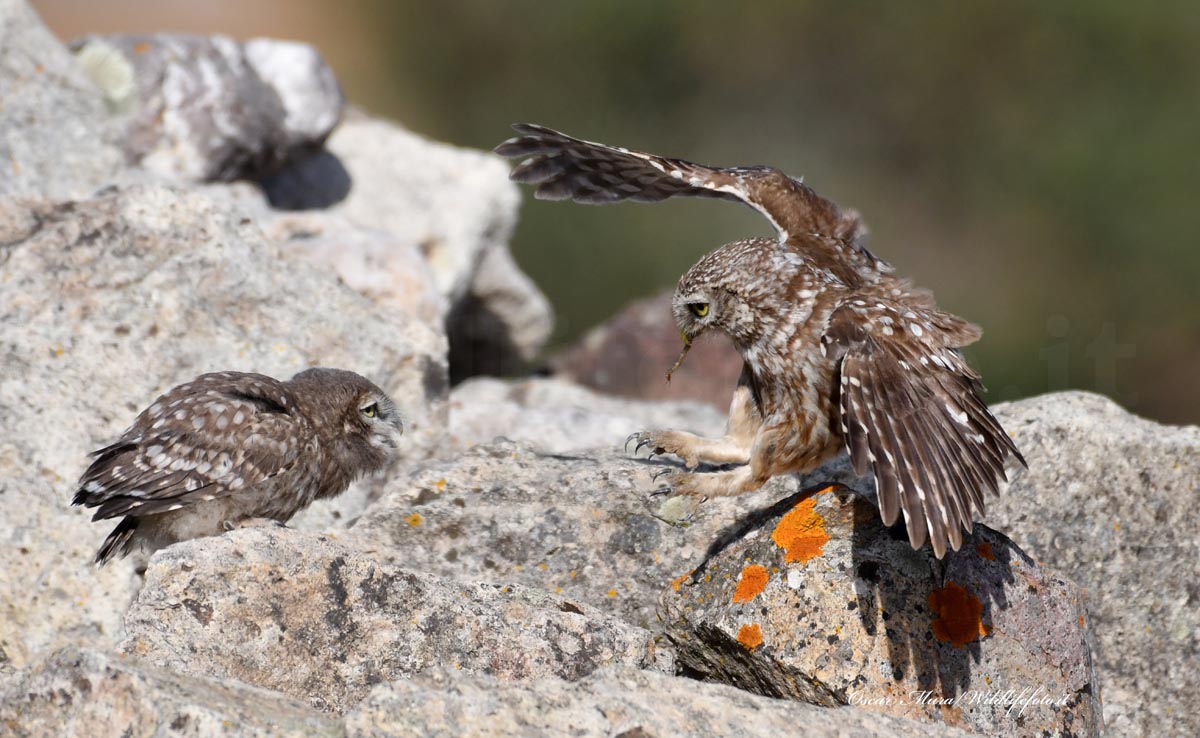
(839, 353)
(231, 447)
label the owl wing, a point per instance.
(201, 441)
(910, 410)
(564, 168)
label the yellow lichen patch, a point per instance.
(612, 593)
(754, 579)
(750, 636)
(678, 581)
(440, 484)
(414, 520)
(801, 533)
(959, 615)
(985, 550)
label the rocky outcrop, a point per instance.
(208, 108)
(613, 702)
(814, 600)
(1110, 502)
(580, 523)
(455, 206)
(55, 140)
(327, 621)
(106, 303)
(77, 693)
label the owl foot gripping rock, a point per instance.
(839, 352)
(232, 449)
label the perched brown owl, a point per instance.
(838, 352)
(231, 447)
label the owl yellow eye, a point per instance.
(699, 309)
(370, 410)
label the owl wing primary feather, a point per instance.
(564, 168)
(910, 410)
(207, 439)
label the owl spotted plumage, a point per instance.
(231, 447)
(838, 352)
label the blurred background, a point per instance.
(1035, 164)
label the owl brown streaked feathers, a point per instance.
(838, 352)
(232, 447)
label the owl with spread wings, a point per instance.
(839, 353)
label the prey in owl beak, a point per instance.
(687, 346)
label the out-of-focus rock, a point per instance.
(1110, 500)
(76, 693)
(456, 207)
(54, 139)
(377, 264)
(554, 416)
(324, 622)
(579, 522)
(204, 108)
(629, 355)
(613, 702)
(104, 304)
(814, 600)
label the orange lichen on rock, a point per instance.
(750, 636)
(754, 579)
(959, 614)
(801, 532)
(414, 520)
(985, 550)
(678, 581)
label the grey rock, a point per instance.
(455, 206)
(77, 692)
(56, 140)
(1110, 501)
(555, 416)
(105, 303)
(323, 621)
(612, 702)
(580, 522)
(814, 600)
(203, 108)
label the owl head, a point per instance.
(720, 291)
(362, 425)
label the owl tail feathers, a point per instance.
(119, 542)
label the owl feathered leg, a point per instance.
(732, 448)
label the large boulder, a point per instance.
(77, 693)
(54, 134)
(202, 108)
(107, 302)
(1110, 500)
(814, 600)
(324, 622)
(456, 207)
(614, 702)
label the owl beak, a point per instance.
(687, 346)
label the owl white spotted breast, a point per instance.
(838, 352)
(230, 448)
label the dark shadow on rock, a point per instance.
(900, 603)
(752, 521)
(480, 342)
(314, 182)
